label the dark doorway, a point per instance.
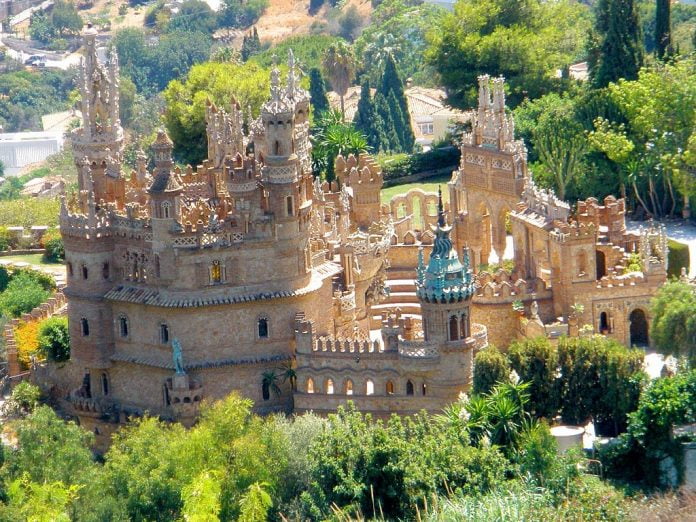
(601, 264)
(639, 328)
(603, 323)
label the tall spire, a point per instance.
(440, 209)
(275, 80)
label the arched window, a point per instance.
(464, 326)
(349, 387)
(601, 262)
(166, 209)
(70, 269)
(262, 328)
(123, 326)
(289, 206)
(84, 325)
(582, 263)
(369, 387)
(105, 270)
(105, 383)
(425, 388)
(85, 272)
(390, 388)
(329, 386)
(604, 323)
(409, 388)
(276, 147)
(157, 265)
(164, 334)
(265, 391)
(310, 385)
(453, 328)
(216, 272)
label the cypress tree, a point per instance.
(392, 84)
(619, 51)
(389, 139)
(399, 123)
(251, 44)
(365, 119)
(317, 92)
(663, 29)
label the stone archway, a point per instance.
(638, 328)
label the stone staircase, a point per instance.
(402, 295)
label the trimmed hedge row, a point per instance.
(677, 257)
(434, 159)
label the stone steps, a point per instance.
(401, 273)
(402, 297)
(401, 285)
(406, 308)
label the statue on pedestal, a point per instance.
(178, 357)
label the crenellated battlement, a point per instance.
(565, 232)
(505, 285)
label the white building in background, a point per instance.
(20, 149)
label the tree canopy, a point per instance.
(186, 101)
(526, 41)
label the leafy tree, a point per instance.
(490, 368)
(561, 147)
(663, 29)
(308, 49)
(202, 498)
(193, 15)
(399, 29)
(23, 294)
(54, 339)
(65, 19)
(349, 23)
(674, 320)
(54, 249)
(255, 504)
(51, 450)
(525, 41)
(317, 92)
(218, 82)
(25, 397)
(152, 67)
(616, 48)
(339, 67)
(536, 363)
(240, 14)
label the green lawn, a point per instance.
(32, 259)
(428, 185)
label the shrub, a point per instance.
(536, 362)
(425, 161)
(23, 293)
(27, 339)
(490, 367)
(4, 239)
(24, 398)
(54, 339)
(54, 249)
(677, 257)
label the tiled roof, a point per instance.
(153, 297)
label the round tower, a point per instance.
(445, 288)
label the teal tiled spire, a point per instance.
(445, 279)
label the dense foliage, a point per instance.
(430, 161)
(640, 453)
(673, 328)
(27, 95)
(219, 83)
(524, 40)
(331, 137)
(54, 339)
(50, 27)
(152, 67)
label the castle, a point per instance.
(246, 274)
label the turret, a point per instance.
(165, 187)
(444, 287)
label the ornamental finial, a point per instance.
(440, 208)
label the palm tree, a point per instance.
(339, 67)
(330, 138)
(269, 383)
(288, 373)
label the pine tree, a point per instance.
(619, 42)
(663, 29)
(317, 92)
(392, 84)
